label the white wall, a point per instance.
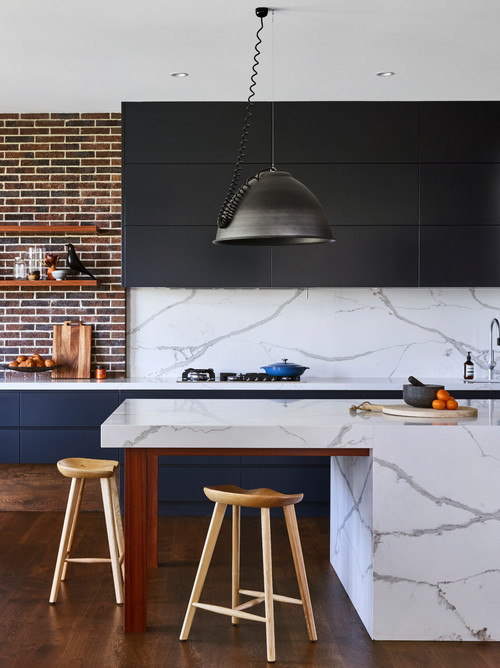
(337, 332)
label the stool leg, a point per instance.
(268, 582)
(69, 549)
(69, 518)
(112, 538)
(300, 569)
(206, 557)
(117, 516)
(235, 600)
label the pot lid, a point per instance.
(285, 362)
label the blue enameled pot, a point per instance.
(284, 368)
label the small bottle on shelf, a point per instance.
(468, 368)
(100, 372)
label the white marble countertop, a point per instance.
(274, 423)
(11, 380)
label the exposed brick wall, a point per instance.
(62, 169)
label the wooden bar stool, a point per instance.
(224, 495)
(79, 470)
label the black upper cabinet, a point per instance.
(363, 194)
(184, 256)
(350, 132)
(362, 256)
(459, 132)
(199, 132)
(177, 194)
(393, 178)
(466, 256)
(454, 194)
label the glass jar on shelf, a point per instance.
(36, 257)
(19, 268)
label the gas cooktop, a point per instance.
(208, 375)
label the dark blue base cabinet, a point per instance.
(41, 427)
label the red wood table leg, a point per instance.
(152, 548)
(135, 538)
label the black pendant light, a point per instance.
(271, 208)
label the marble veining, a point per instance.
(415, 525)
(337, 332)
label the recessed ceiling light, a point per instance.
(179, 75)
(386, 74)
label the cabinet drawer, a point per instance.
(9, 409)
(67, 409)
(47, 446)
(9, 446)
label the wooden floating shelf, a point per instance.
(26, 230)
(7, 282)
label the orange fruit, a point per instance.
(439, 404)
(444, 395)
(451, 404)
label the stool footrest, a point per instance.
(88, 560)
(276, 597)
(230, 612)
(249, 604)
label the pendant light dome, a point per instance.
(275, 209)
(272, 208)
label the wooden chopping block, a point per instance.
(405, 410)
(71, 348)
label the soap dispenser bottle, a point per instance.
(468, 368)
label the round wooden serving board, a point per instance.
(410, 411)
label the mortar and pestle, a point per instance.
(418, 394)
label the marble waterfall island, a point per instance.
(415, 524)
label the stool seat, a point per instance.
(261, 497)
(79, 467)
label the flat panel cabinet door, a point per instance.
(465, 256)
(184, 256)
(362, 194)
(194, 132)
(47, 446)
(454, 194)
(362, 256)
(9, 409)
(67, 409)
(460, 131)
(351, 132)
(177, 194)
(9, 446)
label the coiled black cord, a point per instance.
(235, 194)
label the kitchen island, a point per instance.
(415, 507)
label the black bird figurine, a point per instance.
(73, 261)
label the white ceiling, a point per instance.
(63, 55)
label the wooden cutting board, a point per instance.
(410, 411)
(71, 348)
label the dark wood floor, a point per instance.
(85, 627)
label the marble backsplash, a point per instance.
(337, 332)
